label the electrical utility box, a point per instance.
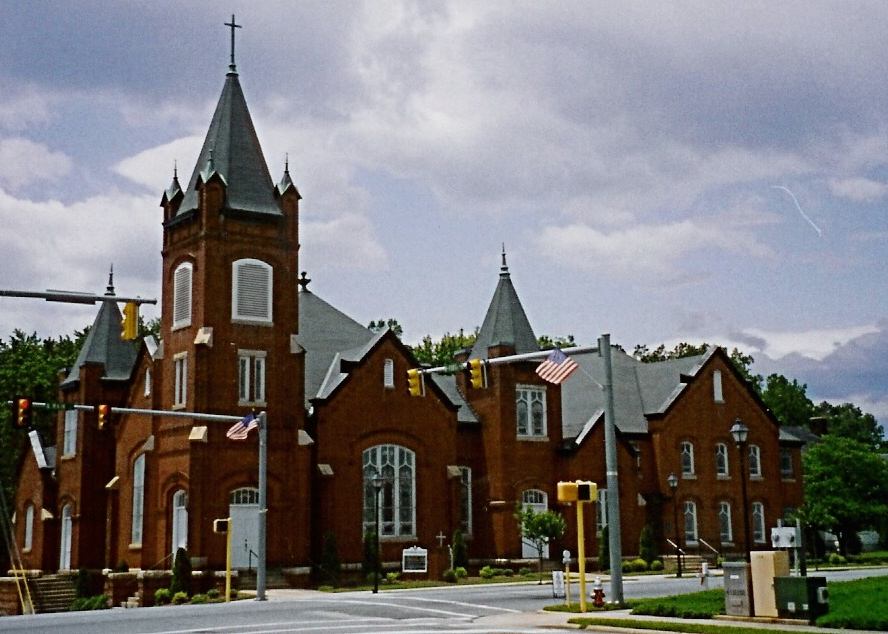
(766, 566)
(736, 588)
(801, 597)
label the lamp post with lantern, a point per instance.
(740, 432)
(672, 480)
(377, 481)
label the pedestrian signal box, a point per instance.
(578, 491)
(221, 525)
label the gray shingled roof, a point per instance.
(231, 150)
(505, 321)
(103, 346)
(640, 389)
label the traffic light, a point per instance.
(414, 382)
(130, 323)
(22, 411)
(476, 373)
(587, 491)
(102, 415)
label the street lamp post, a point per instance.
(740, 432)
(672, 480)
(377, 481)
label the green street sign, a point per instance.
(58, 407)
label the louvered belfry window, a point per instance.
(182, 295)
(251, 292)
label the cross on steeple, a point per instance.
(234, 25)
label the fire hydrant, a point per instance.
(597, 593)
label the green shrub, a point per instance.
(627, 566)
(486, 572)
(97, 602)
(179, 598)
(656, 565)
(199, 598)
(213, 593)
(181, 581)
(368, 563)
(639, 565)
(526, 572)
(449, 576)
(506, 572)
(699, 605)
(461, 573)
(837, 560)
(162, 596)
(647, 547)
(325, 588)
(392, 577)
(122, 566)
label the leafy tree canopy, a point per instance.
(540, 529)
(788, 400)
(743, 362)
(849, 421)
(382, 324)
(846, 487)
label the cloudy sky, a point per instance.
(663, 172)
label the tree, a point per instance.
(850, 422)
(540, 529)
(460, 550)
(743, 362)
(647, 547)
(441, 352)
(846, 487)
(382, 324)
(545, 341)
(788, 400)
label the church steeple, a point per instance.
(232, 151)
(505, 323)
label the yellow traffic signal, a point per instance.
(476, 373)
(130, 323)
(414, 382)
(23, 411)
(102, 415)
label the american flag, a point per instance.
(557, 367)
(242, 428)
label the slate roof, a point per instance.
(505, 322)
(103, 346)
(231, 150)
(640, 390)
(330, 337)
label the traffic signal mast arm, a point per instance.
(73, 297)
(528, 356)
(222, 418)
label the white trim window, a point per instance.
(755, 461)
(758, 522)
(29, 527)
(721, 459)
(138, 515)
(180, 520)
(717, 393)
(786, 467)
(147, 382)
(690, 517)
(388, 373)
(465, 499)
(397, 510)
(67, 530)
(687, 459)
(252, 284)
(182, 295)
(251, 377)
(69, 443)
(724, 523)
(530, 411)
(180, 385)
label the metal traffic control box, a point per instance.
(766, 566)
(801, 597)
(736, 588)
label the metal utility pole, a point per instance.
(610, 459)
(263, 506)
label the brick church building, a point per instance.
(241, 331)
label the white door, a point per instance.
(180, 521)
(537, 501)
(244, 514)
(65, 550)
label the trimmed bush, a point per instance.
(449, 576)
(639, 565)
(162, 596)
(213, 593)
(98, 602)
(181, 581)
(199, 598)
(837, 560)
(179, 598)
(656, 565)
(486, 572)
(392, 577)
(647, 547)
(460, 550)
(461, 573)
(526, 572)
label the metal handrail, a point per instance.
(170, 556)
(705, 543)
(675, 546)
(250, 554)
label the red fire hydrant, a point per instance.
(597, 594)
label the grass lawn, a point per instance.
(861, 605)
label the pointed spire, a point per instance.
(109, 291)
(174, 188)
(505, 323)
(286, 182)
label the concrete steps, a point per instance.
(52, 593)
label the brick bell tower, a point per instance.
(228, 326)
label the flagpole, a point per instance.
(263, 506)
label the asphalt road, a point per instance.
(463, 609)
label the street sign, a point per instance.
(58, 407)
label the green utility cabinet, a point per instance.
(801, 597)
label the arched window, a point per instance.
(65, 550)
(530, 410)
(690, 522)
(251, 291)
(180, 520)
(721, 459)
(397, 497)
(182, 295)
(755, 461)
(29, 527)
(138, 500)
(538, 502)
(758, 522)
(465, 499)
(687, 459)
(724, 522)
